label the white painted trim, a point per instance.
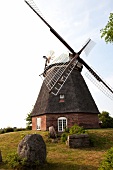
(38, 123)
(62, 118)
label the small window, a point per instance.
(61, 98)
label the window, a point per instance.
(39, 123)
(61, 98)
(62, 124)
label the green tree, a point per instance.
(29, 121)
(107, 32)
(106, 119)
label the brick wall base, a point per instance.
(43, 122)
(87, 120)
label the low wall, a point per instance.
(77, 141)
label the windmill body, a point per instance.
(73, 105)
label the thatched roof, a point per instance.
(77, 98)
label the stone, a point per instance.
(33, 149)
(55, 140)
(52, 132)
(78, 141)
(0, 156)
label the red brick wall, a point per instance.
(82, 119)
(43, 122)
(85, 120)
(34, 123)
(53, 120)
(88, 120)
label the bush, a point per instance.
(64, 137)
(8, 129)
(14, 161)
(19, 129)
(76, 130)
(2, 131)
(29, 128)
(106, 119)
(70, 131)
(67, 129)
(107, 163)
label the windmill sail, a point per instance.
(89, 47)
(54, 77)
(33, 6)
(97, 81)
(57, 75)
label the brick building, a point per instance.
(73, 105)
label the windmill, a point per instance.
(60, 78)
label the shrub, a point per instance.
(19, 129)
(8, 129)
(2, 131)
(73, 130)
(106, 119)
(76, 130)
(64, 137)
(107, 163)
(67, 129)
(14, 161)
(29, 128)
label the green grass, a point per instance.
(59, 156)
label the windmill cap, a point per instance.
(44, 57)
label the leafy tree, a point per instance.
(107, 121)
(29, 121)
(107, 32)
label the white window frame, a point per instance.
(61, 96)
(38, 123)
(60, 119)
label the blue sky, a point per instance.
(24, 39)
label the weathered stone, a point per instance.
(55, 140)
(76, 141)
(33, 148)
(52, 132)
(0, 156)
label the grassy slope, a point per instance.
(59, 156)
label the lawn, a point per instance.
(60, 156)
